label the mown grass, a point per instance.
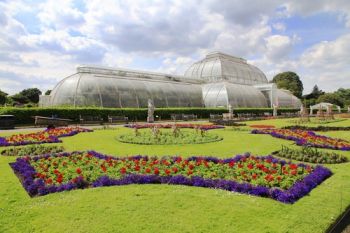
(165, 208)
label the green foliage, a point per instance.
(345, 95)
(32, 150)
(24, 115)
(19, 98)
(333, 98)
(311, 155)
(3, 97)
(32, 94)
(315, 93)
(48, 92)
(165, 136)
(289, 81)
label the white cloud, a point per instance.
(60, 17)
(170, 35)
(279, 27)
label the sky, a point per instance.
(42, 42)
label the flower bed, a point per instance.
(32, 150)
(166, 137)
(318, 128)
(262, 126)
(311, 155)
(306, 138)
(46, 136)
(260, 176)
(168, 126)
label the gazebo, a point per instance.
(323, 106)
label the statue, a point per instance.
(230, 111)
(275, 107)
(150, 114)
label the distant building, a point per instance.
(216, 81)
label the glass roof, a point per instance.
(87, 89)
(222, 67)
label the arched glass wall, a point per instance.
(85, 89)
(224, 93)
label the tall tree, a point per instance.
(32, 94)
(3, 97)
(289, 81)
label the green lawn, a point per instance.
(165, 208)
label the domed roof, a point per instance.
(222, 67)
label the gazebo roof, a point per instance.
(323, 105)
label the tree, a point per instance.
(315, 93)
(19, 98)
(48, 92)
(3, 97)
(32, 94)
(332, 98)
(345, 95)
(289, 81)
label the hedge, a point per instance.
(25, 115)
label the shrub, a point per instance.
(312, 155)
(25, 115)
(32, 150)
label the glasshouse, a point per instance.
(218, 80)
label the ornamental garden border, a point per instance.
(37, 184)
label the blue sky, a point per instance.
(41, 42)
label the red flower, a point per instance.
(148, 170)
(254, 176)
(78, 170)
(156, 171)
(250, 166)
(232, 163)
(189, 172)
(293, 172)
(174, 169)
(191, 166)
(167, 171)
(123, 170)
(48, 181)
(104, 169)
(137, 168)
(178, 160)
(59, 179)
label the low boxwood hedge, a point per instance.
(25, 115)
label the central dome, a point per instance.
(218, 66)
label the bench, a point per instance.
(51, 121)
(176, 117)
(189, 117)
(90, 119)
(215, 117)
(116, 119)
